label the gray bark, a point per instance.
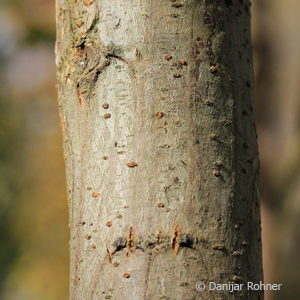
(156, 106)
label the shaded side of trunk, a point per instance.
(156, 104)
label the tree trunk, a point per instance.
(156, 105)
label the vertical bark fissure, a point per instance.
(147, 276)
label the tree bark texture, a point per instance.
(156, 106)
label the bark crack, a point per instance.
(175, 240)
(130, 241)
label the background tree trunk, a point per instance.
(156, 105)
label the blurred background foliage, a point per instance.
(33, 208)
